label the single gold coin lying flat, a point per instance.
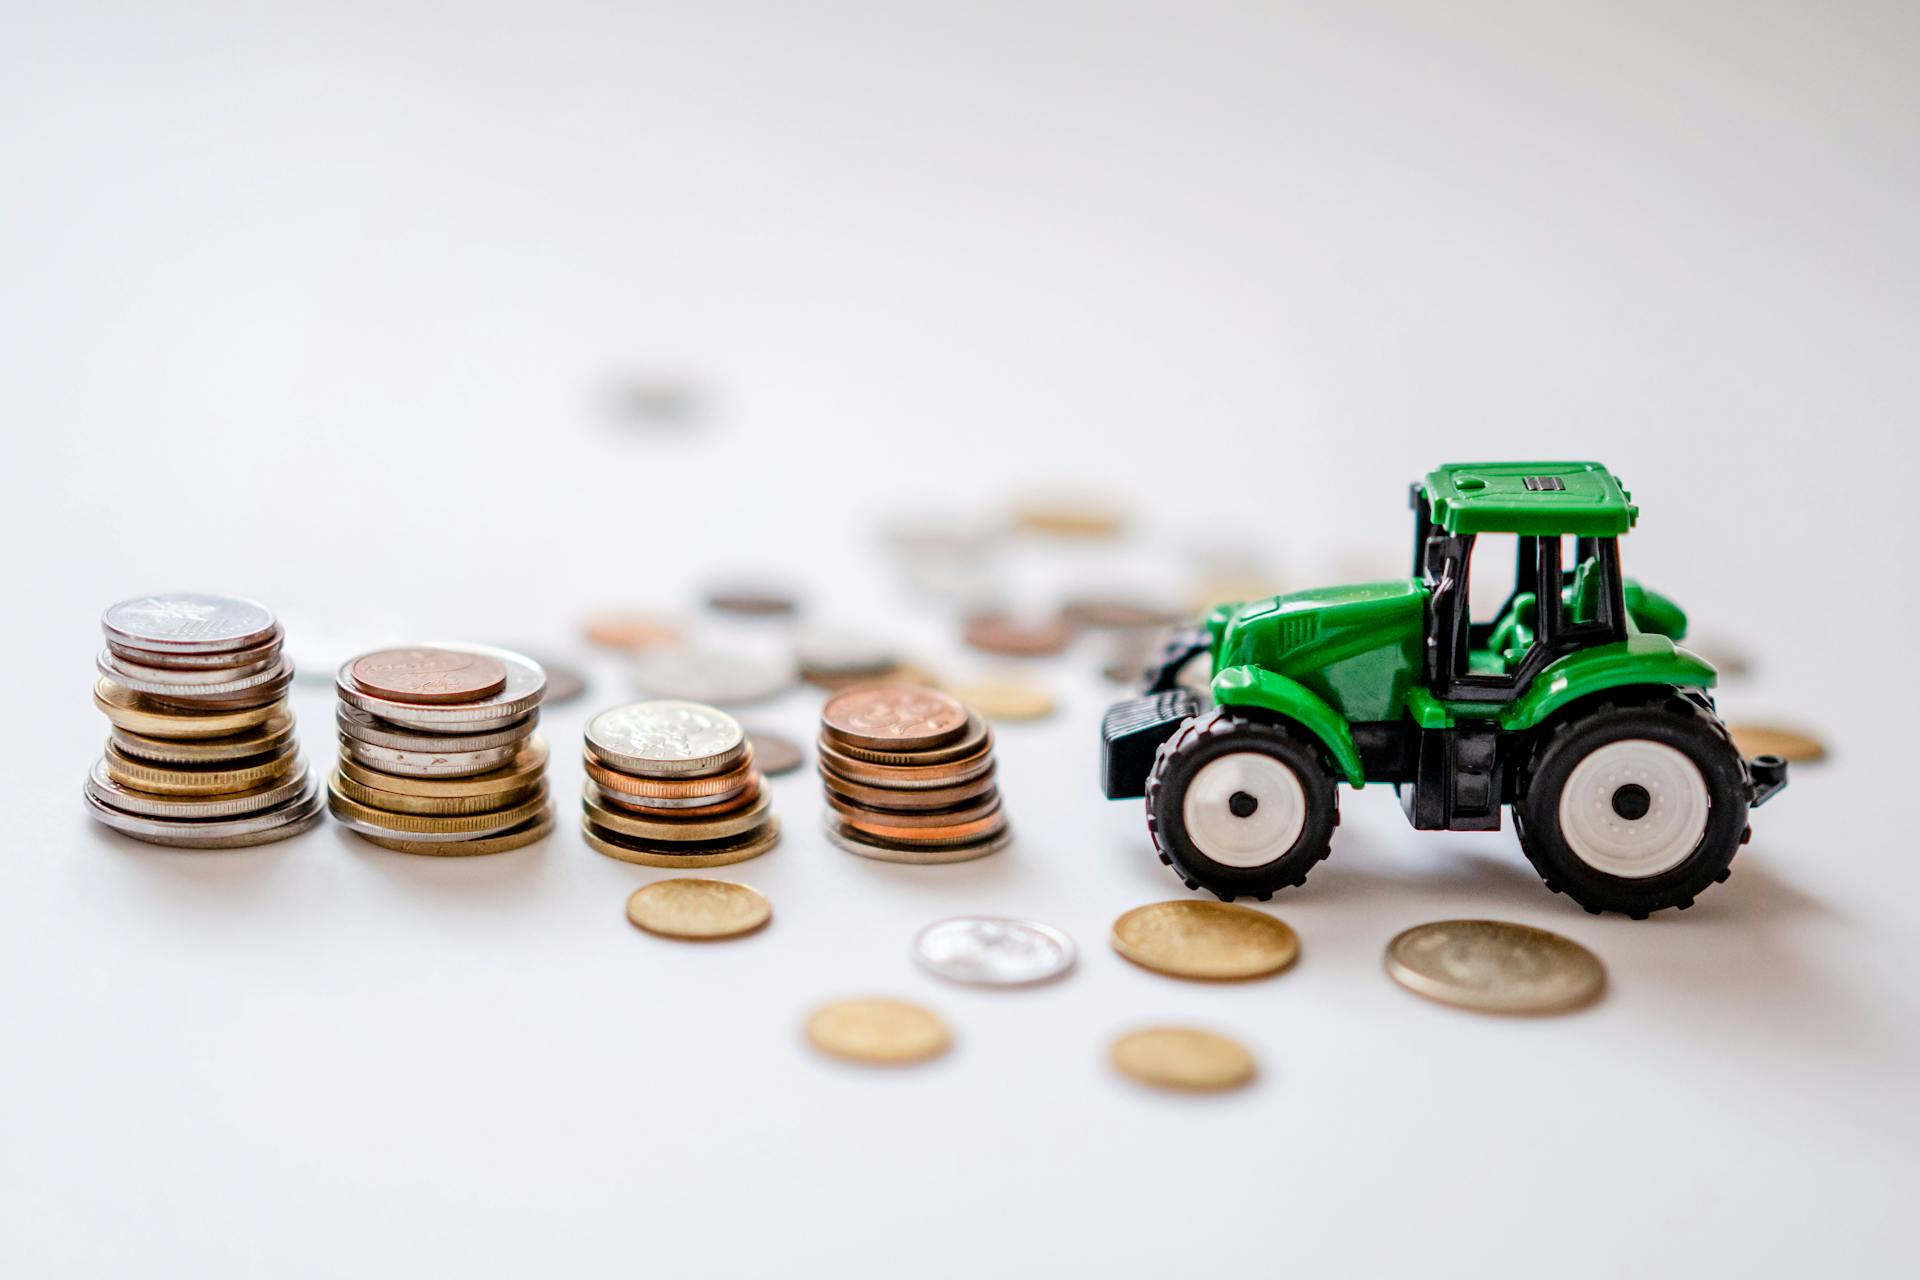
(1210, 940)
(700, 909)
(1759, 740)
(1495, 967)
(1183, 1058)
(1005, 701)
(882, 1032)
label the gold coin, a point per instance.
(882, 1032)
(269, 737)
(1211, 940)
(1495, 967)
(1760, 740)
(668, 829)
(189, 780)
(1183, 1058)
(492, 822)
(433, 806)
(698, 909)
(686, 857)
(517, 838)
(137, 713)
(1072, 515)
(527, 765)
(1004, 701)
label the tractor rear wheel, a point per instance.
(1239, 805)
(1634, 808)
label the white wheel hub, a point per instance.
(1634, 808)
(1244, 809)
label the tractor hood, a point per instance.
(1356, 646)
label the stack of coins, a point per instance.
(909, 776)
(202, 754)
(438, 753)
(674, 784)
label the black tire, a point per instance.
(1673, 722)
(1207, 738)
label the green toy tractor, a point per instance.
(1572, 704)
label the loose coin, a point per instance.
(992, 951)
(429, 675)
(630, 631)
(893, 717)
(1183, 1058)
(1206, 940)
(698, 909)
(1116, 613)
(752, 599)
(881, 1032)
(1760, 740)
(711, 676)
(565, 682)
(188, 622)
(1070, 515)
(537, 828)
(832, 655)
(666, 736)
(684, 855)
(1009, 702)
(1003, 634)
(774, 754)
(1495, 967)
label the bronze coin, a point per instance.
(902, 798)
(893, 717)
(975, 738)
(776, 755)
(755, 601)
(720, 805)
(878, 775)
(431, 676)
(708, 784)
(630, 631)
(1003, 634)
(884, 827)
(939, 819)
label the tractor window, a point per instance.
(1491, 578)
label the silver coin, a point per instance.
(711, 676)
(666, 736)
(102, 787)
(851, 841)
(212, 682)
(526, 683)
(621, 800)
(992, 951)
(266, 650)
(841, 653)
(187, 622)
(287, 819)
(426, 764)
(355, 723)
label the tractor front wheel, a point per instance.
(1240, 806)
(1634, 808)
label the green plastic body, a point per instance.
(1333, 657)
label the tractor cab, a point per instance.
(1567, 593)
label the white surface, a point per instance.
(317, 305)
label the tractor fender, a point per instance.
(1252, 686)
(1645, 659)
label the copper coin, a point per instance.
(753, 600)
(432, 676)
(945, 820)
(657, 808)
(893, 717)
(971, 742)
(1004, 634)
(885, 828)
(878, 775)
(630, 631)
(904, 798)
(777, 755)
(709, 784)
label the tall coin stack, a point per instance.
(909, 775)
(674, 784)
(202, 754)
(438, 753)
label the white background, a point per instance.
(320, 304)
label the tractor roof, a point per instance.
(1579, 498)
